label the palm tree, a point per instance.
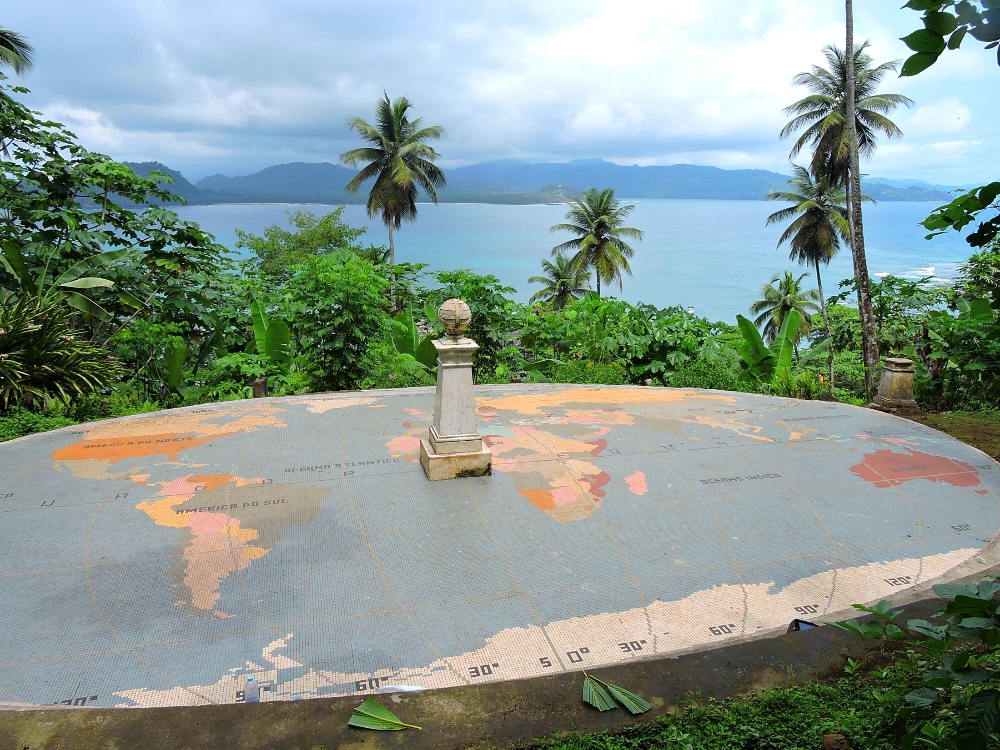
(782, 294)
(597, 220)
(842, 118)
(399, 159)
(15, 52)
(564, 281)
(820, 223)
(823, 113)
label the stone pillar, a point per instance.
(895, 389)
(453, 447)
(260, 387)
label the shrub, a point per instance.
(335, 310)
(387, 368)
(705, 373)
(792, 384)
(20, 422)
(492, 311)
(592, 373)
(42, 358)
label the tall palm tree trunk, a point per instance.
(870, 341)
(598, 276)
(392, 268)
(826, 321)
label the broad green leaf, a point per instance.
(426, 354)
(404, 333)
(926, 628)
(940, 22)
(632, 702)
(980, 308)
(980, 721)
(782, 346)
(851, 626)
(950, 591)
(894, 632)
(924, 41)
(957, 661)
(918, 63)
(971, 676)
(967, 605)
(88, 282)
(922, 5)
(978, 623)
(276, 343)
(956, 39)
(751, 336)
(595, 694)
(938, 678)
(87, 305)
(881, 610)
(431, 312)
(128, 299)
(14, 257)
(923, 697)
(373, 715)
(814, 351)
(174, 357)
(259, 326)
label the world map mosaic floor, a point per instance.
(160, 559)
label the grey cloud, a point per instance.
(224, 86)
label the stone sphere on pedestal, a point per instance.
(454, 315)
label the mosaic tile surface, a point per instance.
(160, 559)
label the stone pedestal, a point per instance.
(895, 389)
(453, 447)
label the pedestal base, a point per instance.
(894, 405)
(455, 465)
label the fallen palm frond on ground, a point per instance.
(373, 715)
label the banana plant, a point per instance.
(174, 358)
(757, 360)
(72, 284)
(272, 338)
(406, 338)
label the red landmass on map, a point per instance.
(886, 468)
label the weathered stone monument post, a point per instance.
(895, 389)
(454, 447)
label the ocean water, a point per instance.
(713, 256)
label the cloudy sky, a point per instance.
(209, 86)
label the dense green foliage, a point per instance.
(957, 19)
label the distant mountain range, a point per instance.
(518, 182)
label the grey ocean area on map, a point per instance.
(163, 558)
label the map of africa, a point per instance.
(163, 558)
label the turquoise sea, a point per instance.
(710, 255)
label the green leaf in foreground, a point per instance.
(599, 695)
(630, 700)
(373, 715)
(595, 694)
(981, 720)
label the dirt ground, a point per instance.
(978, 430)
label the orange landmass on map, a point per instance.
(218, 545)
(533, 403)
(886, 468)
(140, 446)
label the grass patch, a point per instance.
(979, 429)
(793, 718)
